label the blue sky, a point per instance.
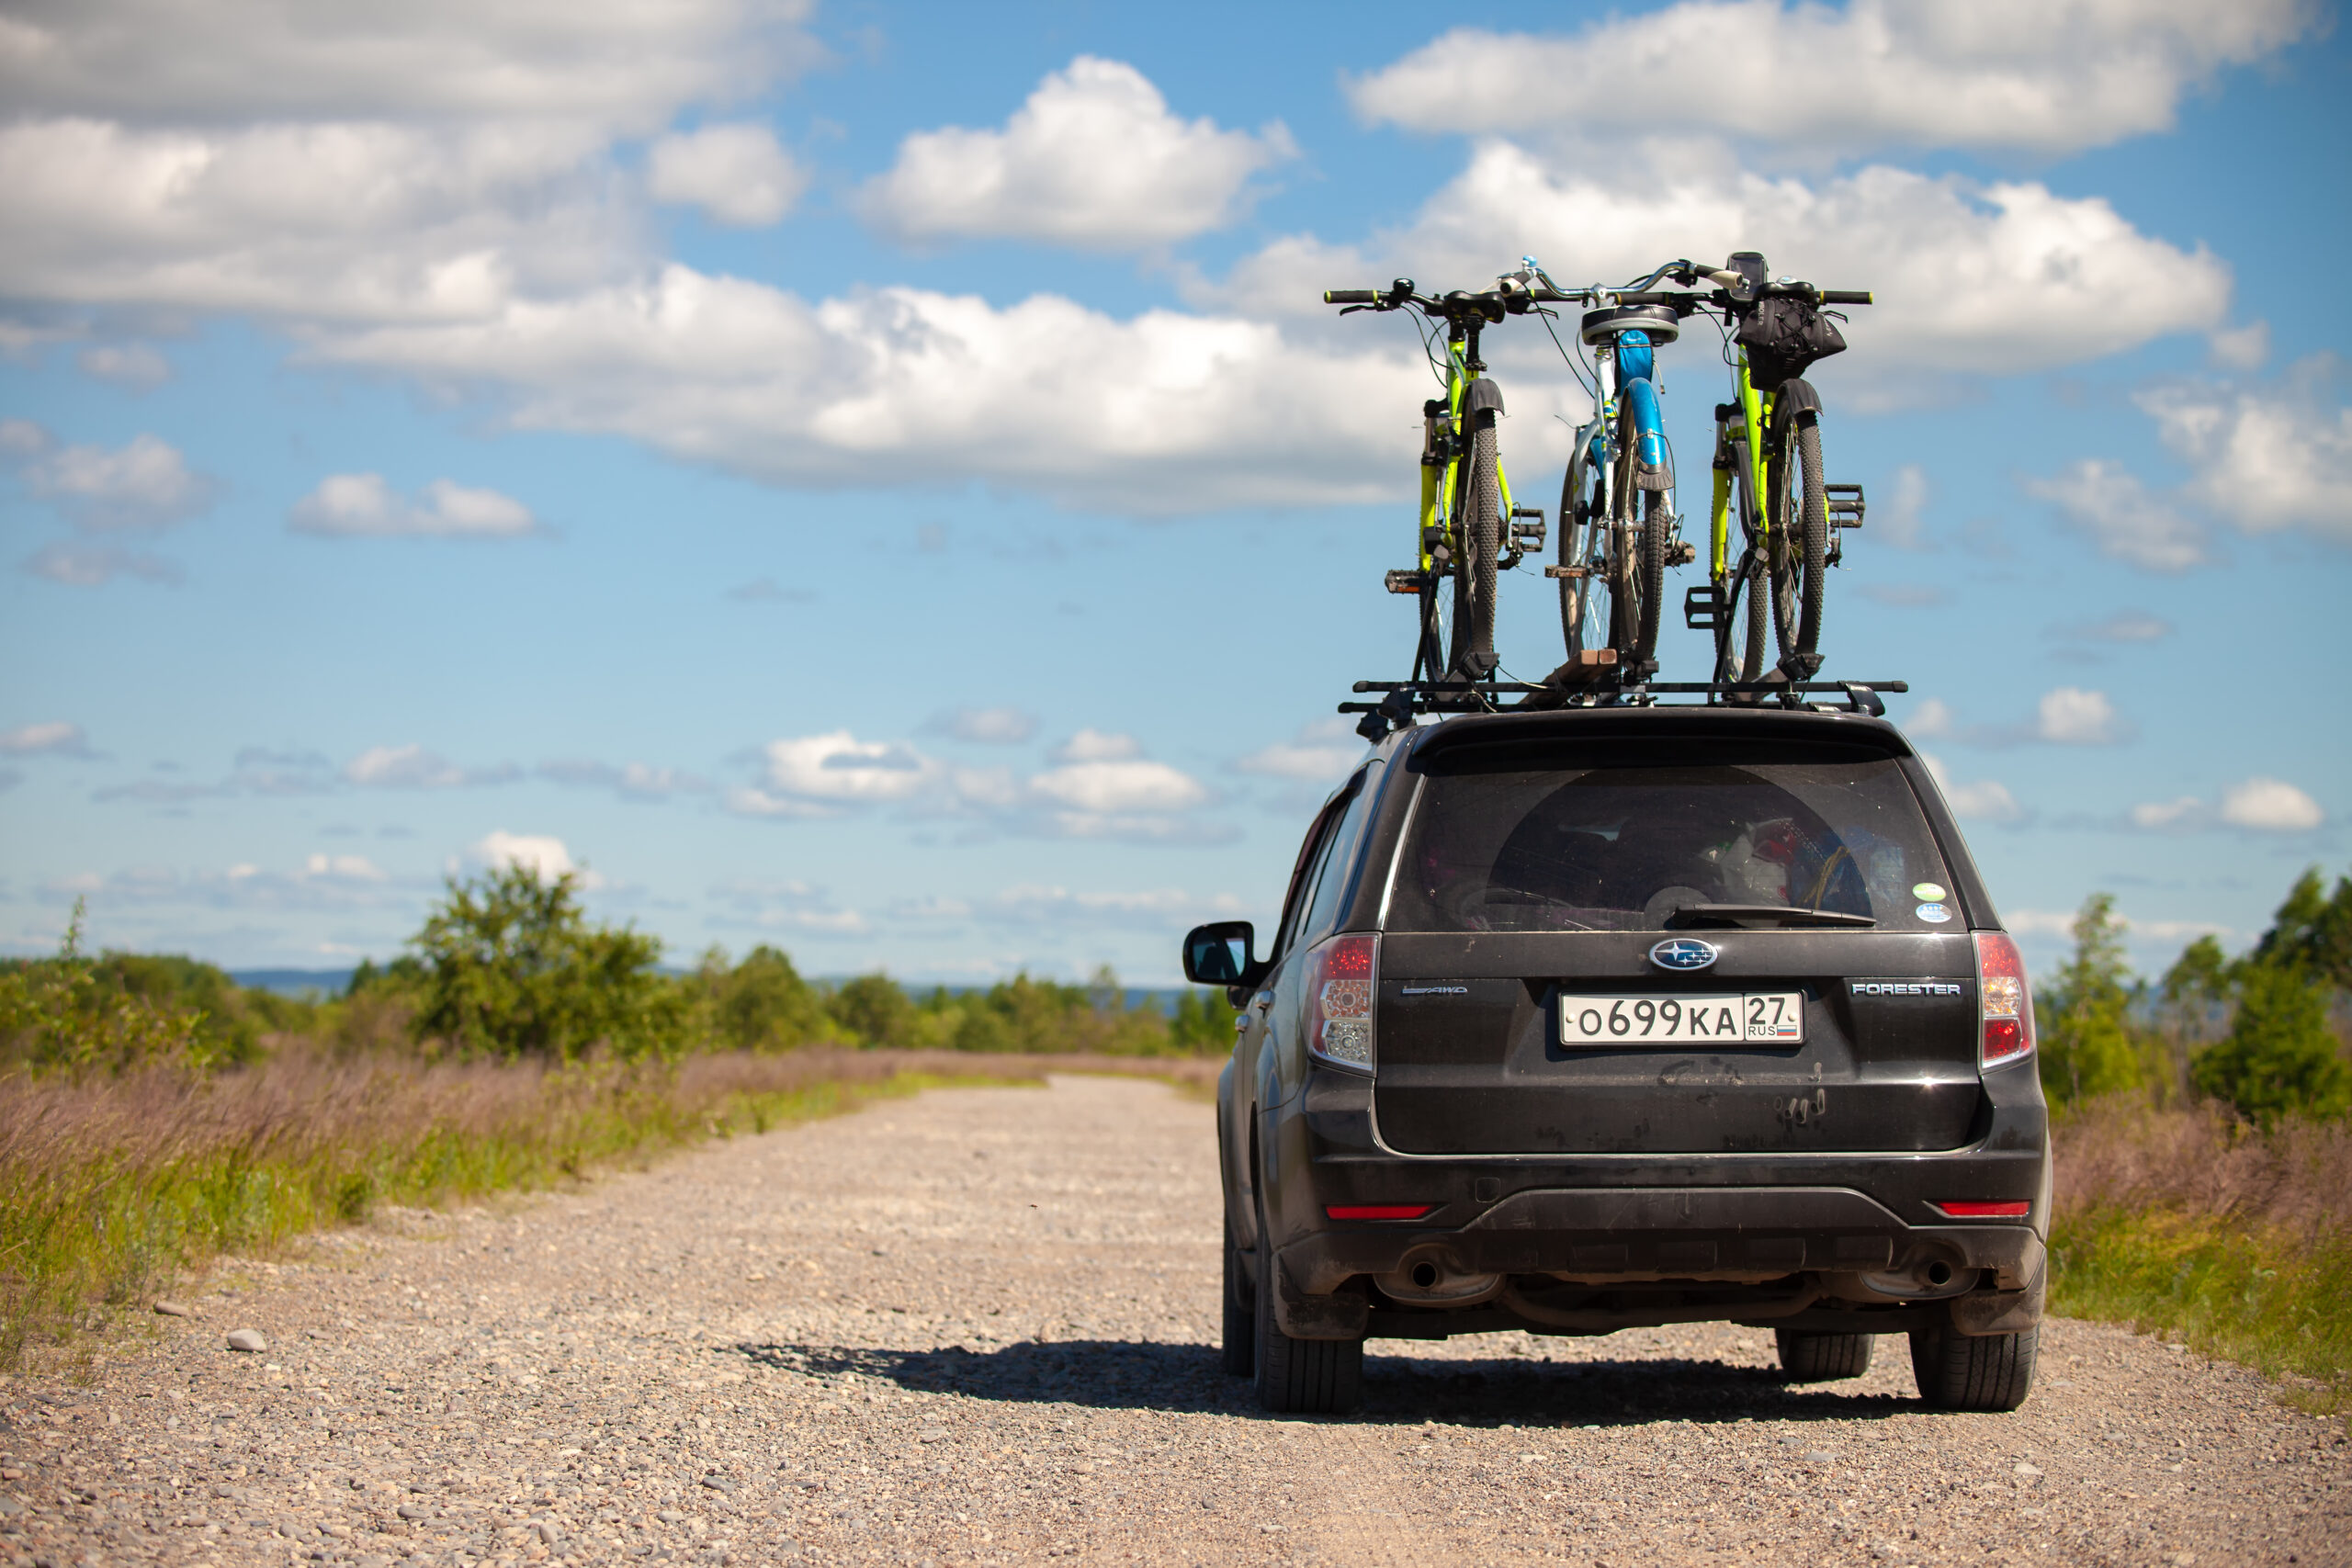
(875, 478)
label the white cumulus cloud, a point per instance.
(1093, 159)
(2266, 458)
(1126, 788)
(1991, 278)
(2270, 806)
(1164, 413)
(364, 506)
(2039, 75)
(543, 856)
(2181, 813)
(737, 174)
(1322, 753)
(2260, 804)
(2070, 716)
(144, 484)
(55, 738)
(2121, 517)
(838, 768)
(1986, 800)
(410, 766)
(1097, 745)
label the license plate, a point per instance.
(1773, 1018)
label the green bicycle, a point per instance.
(1767, 463)
(1469, 531)
(1619, 531)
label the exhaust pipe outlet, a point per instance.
(1430, 1277)
(1929, 1278)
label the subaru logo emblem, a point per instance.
(1685, 953)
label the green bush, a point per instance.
(67, 1013)
(760, 1004)
(512, 968)
(2279, 1057)
(873, 1009)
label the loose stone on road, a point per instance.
(979, 1325)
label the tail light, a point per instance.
(1970, 1209)
(1339, 976)
(2004, 1001)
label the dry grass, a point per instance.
(2186, 1221)
(111, 1185)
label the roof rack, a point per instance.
(1404, 699)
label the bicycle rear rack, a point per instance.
(1404, 700)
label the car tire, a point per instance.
(1823, 1358)
(1303, 1377)
(1958, 1371)
(1238, 1350)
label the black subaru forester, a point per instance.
(1609, 1017)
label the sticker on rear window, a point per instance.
(1934, 914)
(1928, 891)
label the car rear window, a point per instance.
(1619, 836)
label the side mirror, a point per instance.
(1218, 954)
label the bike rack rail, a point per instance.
(1404, 699)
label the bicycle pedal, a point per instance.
(1405, 581)
(1567, 572)
(1846, 505)
(1527, 537)
(1702, 608)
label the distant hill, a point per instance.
(294, 982)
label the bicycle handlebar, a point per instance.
(1515, 300)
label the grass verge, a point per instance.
(110, 1187)
(2188, 1224)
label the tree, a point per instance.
(1200, 1021)
(761, 1004)
(2279, 1057)
(513, 967)
(2313, 931)
(2085, 1048)
(2199, 977)
(875, 1011)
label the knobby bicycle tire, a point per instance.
(1584, 521)
(1640, 551)
(1800, 512)
(1480, 509)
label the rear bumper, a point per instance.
(1588, 1243)
(1632, 1234)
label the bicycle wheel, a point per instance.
(1434, 607)
(1798, 508)
(1744, 592)
(1479, 506)
(1584, 534)
(1640, 550)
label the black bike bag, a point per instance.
(1784, 335)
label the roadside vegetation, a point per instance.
(154, 1114)
(2204, 1151)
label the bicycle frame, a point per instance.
(1445, 454)
(1756, 414)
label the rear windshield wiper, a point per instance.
(1764, 914)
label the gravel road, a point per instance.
(979, 1325)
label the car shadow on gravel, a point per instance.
(1119, 1374)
